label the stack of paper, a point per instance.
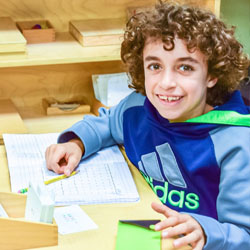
(103, 178)
(110, 89)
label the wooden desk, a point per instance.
(106, 216)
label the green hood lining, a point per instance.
(222, 117)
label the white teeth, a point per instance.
(169, 98)
(163, 97)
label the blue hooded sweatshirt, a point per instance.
(200, 166)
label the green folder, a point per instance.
(136, 237)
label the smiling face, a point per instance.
(176, 81)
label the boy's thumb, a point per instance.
(69, 167)
(67, 171)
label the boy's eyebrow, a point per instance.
(181, 59)
(152, 58)
(190, 59)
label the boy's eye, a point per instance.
(186, 68)
(154, 66)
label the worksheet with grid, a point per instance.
(102, 178)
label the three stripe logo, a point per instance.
(150, 164)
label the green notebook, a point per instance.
(135, 237)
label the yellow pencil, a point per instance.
(58, 178)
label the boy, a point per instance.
(185, 128)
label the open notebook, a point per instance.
(103, 178)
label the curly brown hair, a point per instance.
(199, 29)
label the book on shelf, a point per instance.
(11, 39)
(97, 32)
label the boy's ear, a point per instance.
(211, 81)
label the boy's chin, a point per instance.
(172, 118)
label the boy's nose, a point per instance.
(167, 80)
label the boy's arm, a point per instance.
(232, 230)
(104, 130)
(220, 235)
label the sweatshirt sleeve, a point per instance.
(101, 131)
(232, 229)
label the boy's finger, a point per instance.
(56, 168)
(71, 165)
(178, 229)
(48, 156)
(169, 222)
(53, 161)
(188, 239)
(162, 209)
(53, 154)
(199, 245)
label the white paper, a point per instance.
(39, 204)
(103, 178)
(110, 89)
(117, 89)
(73, 219)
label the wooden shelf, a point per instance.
(64, 50)
(51, 124)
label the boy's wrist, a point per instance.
(79, 143)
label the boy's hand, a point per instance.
(178, 224)
(63, 158)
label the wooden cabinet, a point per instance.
(61, 70)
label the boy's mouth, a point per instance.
(169, 98)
